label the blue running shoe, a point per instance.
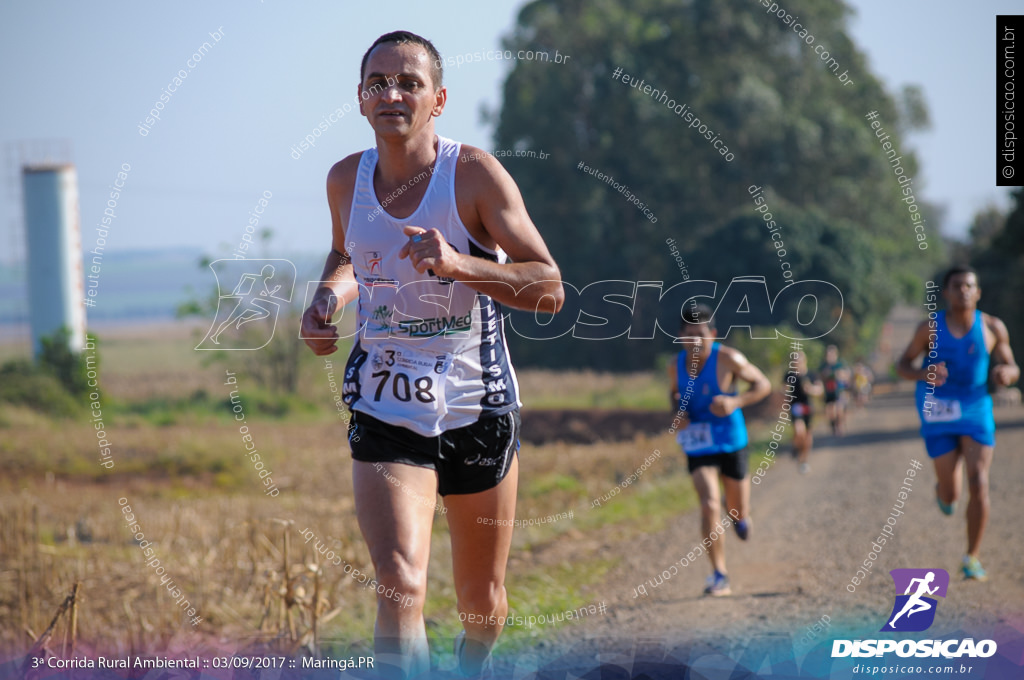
(717, 585)
(946, 508)
(743, 529)
(972, 569)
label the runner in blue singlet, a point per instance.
(959, 345)
(712, 431)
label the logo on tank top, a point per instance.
(970, 350)
(373, 260)
(375, 271)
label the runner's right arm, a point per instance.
(337, 283)
(918, 346)
(673, 384)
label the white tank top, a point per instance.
(430, 354)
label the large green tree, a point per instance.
(794, 128)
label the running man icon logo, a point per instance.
(247, 315)
(914, 611)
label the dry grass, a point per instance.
(224, 548)
(197, 497)
(589, 389)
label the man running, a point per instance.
(434, 398)
(713, 433)
(835, 377)
(803, 389)
(962, 346)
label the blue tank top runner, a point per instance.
(962, 404)
(707, 433)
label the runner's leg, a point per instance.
(479, 559)
(978, 458)
(809, 437)
(800, 436)
(705, 481)
(841, 401)
(396, 525)
(948, 468)
(737, 497)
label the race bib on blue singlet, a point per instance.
(695, 438)
(941, 411)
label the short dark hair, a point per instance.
(700, 313)
(408, 38)
(957, 269)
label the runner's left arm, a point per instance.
(813, 386)
(760, 387)
(1006, 371)
(490, 200)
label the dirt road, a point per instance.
(810, 534)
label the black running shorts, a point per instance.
(732, 465)
(468, 459)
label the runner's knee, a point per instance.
(481, 597)
(397, 575)
(977, 482)
(710, 506)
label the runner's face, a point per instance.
(399, 92)
(693, 335)
(962, 292)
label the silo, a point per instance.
(53, 235)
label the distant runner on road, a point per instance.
(960, 346)
(713, 433)
(863, 381)
(803, 389)
(835, 377)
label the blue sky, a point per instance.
(89, 73)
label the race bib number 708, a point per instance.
(407, 376)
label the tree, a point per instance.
(795, 128)
(57, 382)
(997, 253)
(70, 368)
